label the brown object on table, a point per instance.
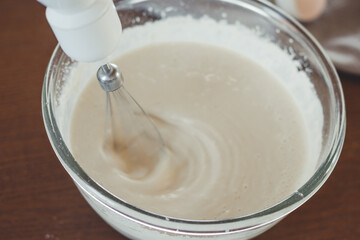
(338, 30)
(38, 200)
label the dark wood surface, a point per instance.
(38, 199)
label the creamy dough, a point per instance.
(236, 140)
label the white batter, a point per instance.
(238, 140)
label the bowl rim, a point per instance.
(263, 217)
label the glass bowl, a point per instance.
(274, 24)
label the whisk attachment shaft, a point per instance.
(110, 77)
(129, 131)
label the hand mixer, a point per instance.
(89, 31)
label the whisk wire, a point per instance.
(129, 130)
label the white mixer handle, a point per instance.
(87, 30)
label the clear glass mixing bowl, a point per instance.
(273, 23)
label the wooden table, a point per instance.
(37, 197)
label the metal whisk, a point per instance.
(129, 130)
